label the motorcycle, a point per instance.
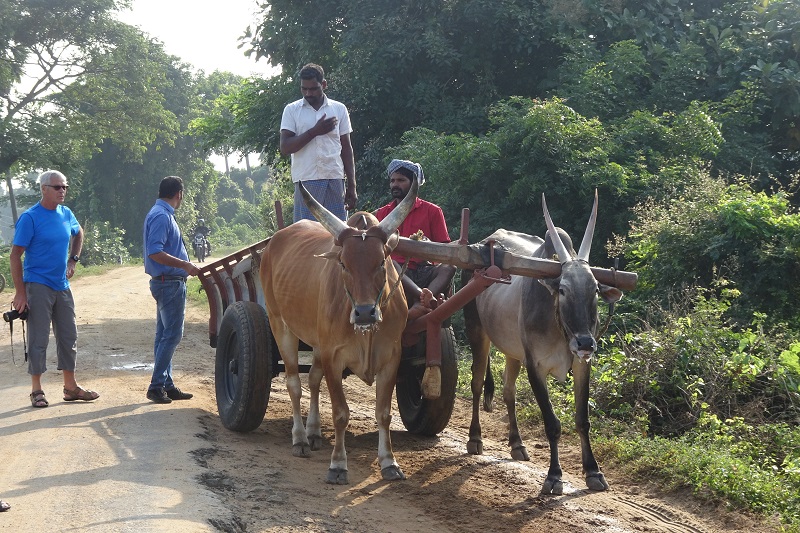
(200, 247)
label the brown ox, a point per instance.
(550, 325)
(334, 286)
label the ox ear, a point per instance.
(551, 284)
(334, 256)
(609, 294)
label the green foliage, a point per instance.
(694, 363)
(751, 239)
(104, 244)
(104, 86)
(545, 146)
(754, 467)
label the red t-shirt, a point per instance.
(424, 216)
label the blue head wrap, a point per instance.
(416, 168)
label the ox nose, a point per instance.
(585, 343)
(365, 315)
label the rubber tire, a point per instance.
(2, 283)
(421, 416)
(243, 370)
(200, 252)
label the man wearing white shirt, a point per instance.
(315, 130)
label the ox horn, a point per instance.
(561, 250)
(331, 222)
(586, 244)
(399, 214)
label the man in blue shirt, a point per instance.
(51, 239)
(167, 262)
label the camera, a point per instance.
(12, 315)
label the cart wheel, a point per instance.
(243, 371)
(419, 415)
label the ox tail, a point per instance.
(488, 389)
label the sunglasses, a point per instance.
(58, 187)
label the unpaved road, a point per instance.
(123, 463)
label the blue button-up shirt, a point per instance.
(162, 234)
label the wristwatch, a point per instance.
(76, 258)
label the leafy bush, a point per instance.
(104, 244)
(696, 363)
(717, 231)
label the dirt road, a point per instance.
(123, 463)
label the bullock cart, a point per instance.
(247, 356)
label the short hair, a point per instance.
(312, 71)
(170, 186)
(47, 176)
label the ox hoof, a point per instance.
(337, 476)
(475, 447)
(392, 473)
(301, 449)
(519, 453)
(596, 481)
(553, 486)
(315, 442)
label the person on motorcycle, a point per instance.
(202, 229)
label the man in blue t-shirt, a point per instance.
(167, 262)
(51, 239)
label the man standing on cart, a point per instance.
(427, 220)
(315, 130)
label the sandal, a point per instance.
(79, 393)
(38, 399)
(4, 506)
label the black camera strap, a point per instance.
(24, 340)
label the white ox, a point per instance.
(550, 325)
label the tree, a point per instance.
(71, 77)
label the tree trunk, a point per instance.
(11, 198)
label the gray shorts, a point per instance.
(45, 307)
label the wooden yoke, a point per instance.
(470, 257)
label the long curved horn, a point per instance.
(555, 238)
(331, 222)
(396, 217)
(586, 244)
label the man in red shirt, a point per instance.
(425, 217)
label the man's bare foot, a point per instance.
(427, 299)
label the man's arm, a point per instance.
(15, 262)
(166, 259)
(75, 249)
(291, 142)
(350, 195)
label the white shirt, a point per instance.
(321, 158)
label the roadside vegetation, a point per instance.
(682, 115)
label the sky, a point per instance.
(203, 33)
